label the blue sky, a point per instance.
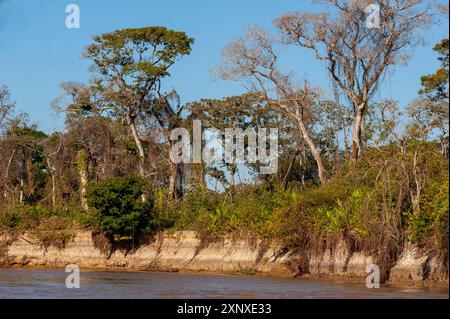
(37, 51)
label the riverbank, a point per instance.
(185, 252)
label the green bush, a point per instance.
(121, 212)
(430, 224)
(55, 230)
(25, 217)
(348, 215)
(196, 204)
(166, 210)
(216, 214)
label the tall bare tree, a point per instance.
(253, 60)
(168, 111)
(357, 56)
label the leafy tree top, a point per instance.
(29, 131)
(436, 85)
(141, 55)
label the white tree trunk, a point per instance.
(315, 154)
(52, 172)
(21, 190)
(7, 174)
(83, 172)
(357, 131)
(138, 141)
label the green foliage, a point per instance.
(26, 217)
(436, 85)
(50, 227)
(215, 214)
(348, 215)
(196, 204)
(364, 204)
(430, 225)
(307, 214)
(361, 204)
(141, 53)
(122, 213)
(165, 212)
(373, 202)
(55, 230)
(27, 131)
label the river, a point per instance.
(49, 284)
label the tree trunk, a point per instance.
(53, 191)
(21, 190)
(285, 178)
(138, 142)
(202, 179)
(315, 154)
(346, 145)
(22, 177)
(357, 131)
(232, 182)
(82, 161)
(172, 179)
(336, 156)
(52, 172)
(30, 175)
(7, 174)
(180, 180)
(176, 180)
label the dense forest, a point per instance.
(354, 166)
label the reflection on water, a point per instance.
(51, 284)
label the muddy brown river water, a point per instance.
(18, 283)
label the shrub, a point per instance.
(348, 215)
(303, 215)
(55, 230)
(431, 222)
(166, 210)
(25, 217)
(122, 213)
(196, 204)
(215, 214)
